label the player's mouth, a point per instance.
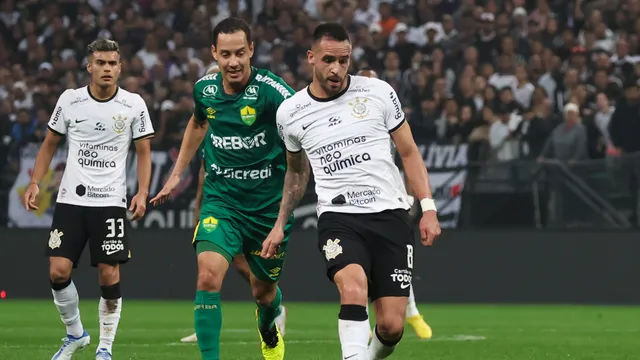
(333, 81)
(107, 78)
(234, 73)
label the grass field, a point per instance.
(31, 330)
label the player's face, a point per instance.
(104, 67)
(233, 55)
(330, 60)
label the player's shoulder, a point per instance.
(128, 97)
(269, 81)
(74, 96)
(369, 84)
(293, 107)
(207, 85)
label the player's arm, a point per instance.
(45, 155)
(295, 185)
(199, 194)
(142, 131)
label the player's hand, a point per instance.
(30, 197)
(165, 193)
(271, 245)
(429, 227)
(138, 206)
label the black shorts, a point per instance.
(382, 243)
(105, 228)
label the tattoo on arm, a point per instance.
(295, 184)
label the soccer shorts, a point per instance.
(231, 232)
(382, 243)
(105, 228)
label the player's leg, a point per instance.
(216, 242)
(67, 240)
(391, 245)
(108, 242)
(347, 262)
(415, 319)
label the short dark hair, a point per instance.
(229, 26)
(103, 45)
(331, 30)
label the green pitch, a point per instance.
(151, 330)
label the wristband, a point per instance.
(428, 205)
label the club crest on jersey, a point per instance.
(359, 108)
(251, 92)
(119, 124)
(332, 249)
(55, 238)
(248, 115)
(210, 224)
(210, 113)
(210, 90)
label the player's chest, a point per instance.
(239, 114)
(105, 120)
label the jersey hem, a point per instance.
(147, 136)
(397, 126)
(97, 205)
(360, 211)
(54, 131)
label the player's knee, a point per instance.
(390, 327)
(264, 293)
(59, 273)
(352, 285)
(209, 280)
(108, 274)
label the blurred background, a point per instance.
(485, 86)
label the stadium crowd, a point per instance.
(516, 79)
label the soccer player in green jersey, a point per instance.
(243, 188)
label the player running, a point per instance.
(414, 318)
(100, 121)
(239, 261)
(243, 188)
(343, 124)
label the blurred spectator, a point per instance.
(568, 141)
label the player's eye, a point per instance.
(344, 61)
(240, 53)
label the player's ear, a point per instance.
(251, 48)
(88, 66)
(213, 52)
(310, 57)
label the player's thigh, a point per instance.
(219, 235)
(255, 231)
(391, 240)
(341, 243)
(108, 235)
(68, 235)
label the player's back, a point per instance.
(244, 156)
(99, 133)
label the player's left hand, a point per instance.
(271, 245)
(429, 227)
(138, 206)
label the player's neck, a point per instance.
(102, 94)
(232, 90)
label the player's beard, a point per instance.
(329, 88)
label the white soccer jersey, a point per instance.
(347, 140)
(99, 134)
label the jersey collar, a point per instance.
(105, 100)
(330, 98)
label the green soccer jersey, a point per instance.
(244, 157)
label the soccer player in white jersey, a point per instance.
(100, 121)
(344, 125)
(414, 318)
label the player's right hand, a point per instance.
(271, 245)
(165, 193)
(30, 197)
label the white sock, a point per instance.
(109, 319)
(354, 337)
(412, 309)
(377, 350)
(66, 301)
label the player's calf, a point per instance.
(390, 316)
(109, 308)
(353, 320)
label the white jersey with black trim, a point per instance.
(347, 139)
(99, 134)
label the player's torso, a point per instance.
(349, 149)
(99, 135)
(244, 156)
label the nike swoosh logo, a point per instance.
(109, 252)
(350, 356)
(80, 121)
(404, 286)
(304, 127)
(105, 324)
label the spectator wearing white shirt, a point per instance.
(502, 139)
(504, 76)
(522, 88)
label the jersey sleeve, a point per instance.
(198, 111)
(141, 127)
(280, 91)
(58, 123)
(285, 130)
(392, 109)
